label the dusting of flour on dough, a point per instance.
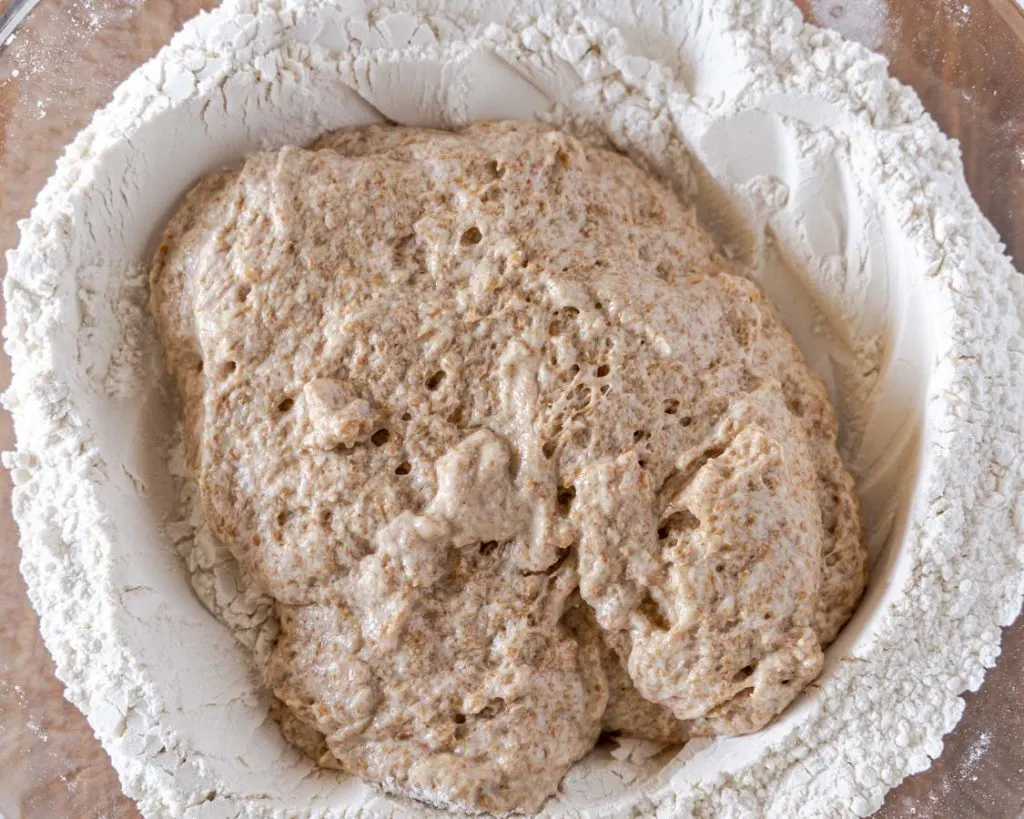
(864, 229)
(436, 383)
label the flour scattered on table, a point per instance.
(974, 756)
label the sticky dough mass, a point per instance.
(517, 455)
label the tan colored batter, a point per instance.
(487, 415)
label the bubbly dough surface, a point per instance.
(518, 457)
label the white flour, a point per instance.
(861, 20)
(802, 157)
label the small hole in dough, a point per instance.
(404, 468)
(435, 380)
(682, 521)
(380, 437)
(650, 609)
(285, 405)
(458, 416)
(472, 236)
(492, 709)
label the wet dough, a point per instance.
(491, 420)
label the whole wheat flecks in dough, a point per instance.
(488, 416)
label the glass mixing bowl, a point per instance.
(964, 57)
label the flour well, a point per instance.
(803, 158)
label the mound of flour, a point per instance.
(804, 160)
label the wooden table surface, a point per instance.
(965, 58)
